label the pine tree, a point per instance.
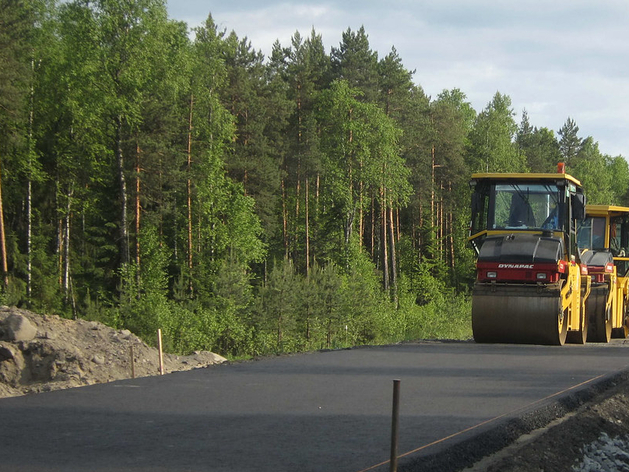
(306, 66)
(354, 62)
(250, 160)
(569, 142)
(538, 145)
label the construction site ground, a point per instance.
(591, 435)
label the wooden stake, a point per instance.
(132, 362)
(161, 355)
(395, 426)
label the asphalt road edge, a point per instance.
(456, 455)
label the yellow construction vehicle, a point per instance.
(530, 286)
(603, 239)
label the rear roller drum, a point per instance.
(599, 315)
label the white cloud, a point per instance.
(557, 59)
(278, 21)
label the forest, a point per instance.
(154, 175)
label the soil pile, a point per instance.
(44, 353)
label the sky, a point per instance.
(556, 60)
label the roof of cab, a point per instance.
(525, 176)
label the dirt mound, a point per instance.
(44, 353)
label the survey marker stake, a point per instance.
(395, 420)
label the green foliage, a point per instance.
(619, 169)
(443, 316)
(360, 157)
(604, 178)
(356, 63)
(540, 147)
(590, 166)
(492, 147)
(363, 302)
(16, 18)
(569, 143)
(328, 309)
(143, 301)
(186, 330)
(46, 296)
(245, 206)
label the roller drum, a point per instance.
(599, 317)
(522, 314)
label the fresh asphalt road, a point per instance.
(325, 411)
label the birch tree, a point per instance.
(492, 140)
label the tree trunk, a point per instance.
(420, 238)
(432, 187)
(66, 245)
(60, 238)
(442, 232)
(29, 238)
(385, 255)
(307, 210)
(160, 200)
(295, 224)
(361, 227)
(373, 226)
(284, 219)
(398, 225)
(189, 197)
(349, 225)
(124, 233)
(350, 215)
(138, 211)
(451, 229)
(29, 196)
(3, 241)
(393, 261)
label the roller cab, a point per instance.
(603, 240)
(530, 286)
